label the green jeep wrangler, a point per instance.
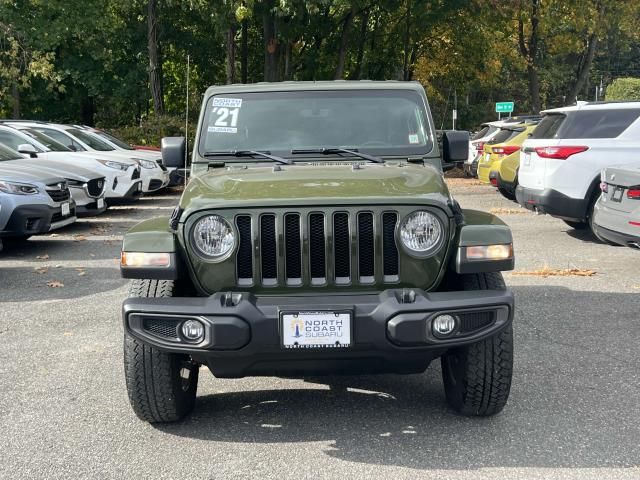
(317, 236)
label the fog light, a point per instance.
(192, 330)
(444, 325)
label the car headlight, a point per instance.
(116, 165)
(213, 236)
(421, 233)
(148, 164)
(18, 188)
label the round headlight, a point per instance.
(421, 232)
(213, 236)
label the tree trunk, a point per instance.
(155, 60)
(583, 71)
(534, 89)
(244, 52)
(231, 54)
(357, 73)
(346, 25)
(407, 37)
(287, 61)
(271, 53)
(530, 52)
(15, 94)
(87, 109)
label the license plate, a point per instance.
(66, 210)
(527, 159)
(315, 329)
(100, 202)
(616, 195)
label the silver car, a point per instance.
(33, 203)
(616, 215)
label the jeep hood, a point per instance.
(307, 185)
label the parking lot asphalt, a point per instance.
(574, 410)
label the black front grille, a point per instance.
(470, 322)
(56, 217)
(244, 262)
(268, 248)
(317, 248)
(293, 248)
(366, 246)
(162, 327)
(136, 173)
(95, 187)
(342, 247)
(58, 194)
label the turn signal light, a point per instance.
(490, 252)
(142, 259)
(560, 153)
(506, 150)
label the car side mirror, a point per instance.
(72, 147)
(28, 149)
(455, 146)
(173, 151)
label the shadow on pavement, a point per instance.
(574, 402)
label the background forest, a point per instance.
(122, 64)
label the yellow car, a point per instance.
(506, 175)
(504, 144)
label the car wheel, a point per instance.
(576, 225)
(477, 377)
(506, 193)
(161, 386)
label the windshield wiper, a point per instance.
(337, 150)
(248, 153)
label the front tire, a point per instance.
(477, 377)
(161, 386)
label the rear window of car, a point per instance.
(586, 124)
(504, 135)
(481, 134)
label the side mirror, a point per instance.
(173, 151)
(28, 149)
(455, 146)
(72, 147)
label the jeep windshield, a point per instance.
(378, 122)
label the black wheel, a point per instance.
(477, 377)
(576, 225)
(161, 386)
(506, 193)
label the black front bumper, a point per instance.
(552, 203)
(91, 209)
(390, 330)
(27, 220)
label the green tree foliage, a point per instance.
(90, 62)
(624, 89)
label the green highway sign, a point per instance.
(504, 107)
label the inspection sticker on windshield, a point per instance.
(227, 102)
(316, 329)
(222, 130)
(413, 138)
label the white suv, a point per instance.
(560, 163)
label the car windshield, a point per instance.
(8, 154)
(115, 140)
(90, 139)
(380, 122)
(12, 140)
(47, 141)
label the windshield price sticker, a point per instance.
(226, 120)
(227, 102)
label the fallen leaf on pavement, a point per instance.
(79, 238)
(55, 284)
(508, 211)
(82, 274)
(42, 257)
(58, 266)
(41, 270)
(552, 272)
(92, 254)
